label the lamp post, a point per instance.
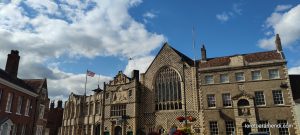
(184, 92)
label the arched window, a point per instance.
(168, 90)
(243, 103)
(243, 107)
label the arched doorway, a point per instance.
(97, 129)
(246, 128)
(118, 130)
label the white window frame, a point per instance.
(19, 106)
(212, 126)
(211, 81)
(211, 101)
(9, 102)
(277, 76)
(264, 98)
(226, 100)
(226, 76)
(229, 125)
(236, 76)
(253, 75)
(27, 107)
(39, 130)
(42, 111)
(263, 122)
(23, 130)
(283, 122)
(281, 92)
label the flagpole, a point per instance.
(85, 82)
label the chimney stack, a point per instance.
(59, 104)
(278, 43)
(52, 105)
(203, 53)
(135, 75)
(12, 63)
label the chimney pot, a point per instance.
(203, 53)
(278, 43)
(12, 63)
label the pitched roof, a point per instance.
(250, 57)
(36, 84)
(184, 57)
(4, 75)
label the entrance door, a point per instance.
(118, 130)
(246, 130)
(97, 129)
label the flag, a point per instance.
(90, 73)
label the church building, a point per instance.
(210, 96)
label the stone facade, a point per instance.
(84, 114)
(209, 96)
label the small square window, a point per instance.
(274, 74)
(239, 76)
(209, 79)
(256, 75)
(224, 78)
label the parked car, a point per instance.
(259, 133)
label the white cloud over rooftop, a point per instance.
(46, 30)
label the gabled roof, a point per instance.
(183, 57)
(36, 84)
(249, 58)
(4, 75)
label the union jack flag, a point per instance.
(90, 73)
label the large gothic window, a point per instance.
(168, 90)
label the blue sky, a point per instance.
(60, 39)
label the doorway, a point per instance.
(246, 129)
(118, 130)
(97, 129)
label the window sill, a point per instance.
(7, 112)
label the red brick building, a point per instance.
(17, 100)
(42, 102)
(23, 102)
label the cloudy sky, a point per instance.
(61, 39)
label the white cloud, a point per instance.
(282, 7)
(286, 24)
(149, 15)
(141, 64)
(225, 16)
(294, 70)
(71, 28)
